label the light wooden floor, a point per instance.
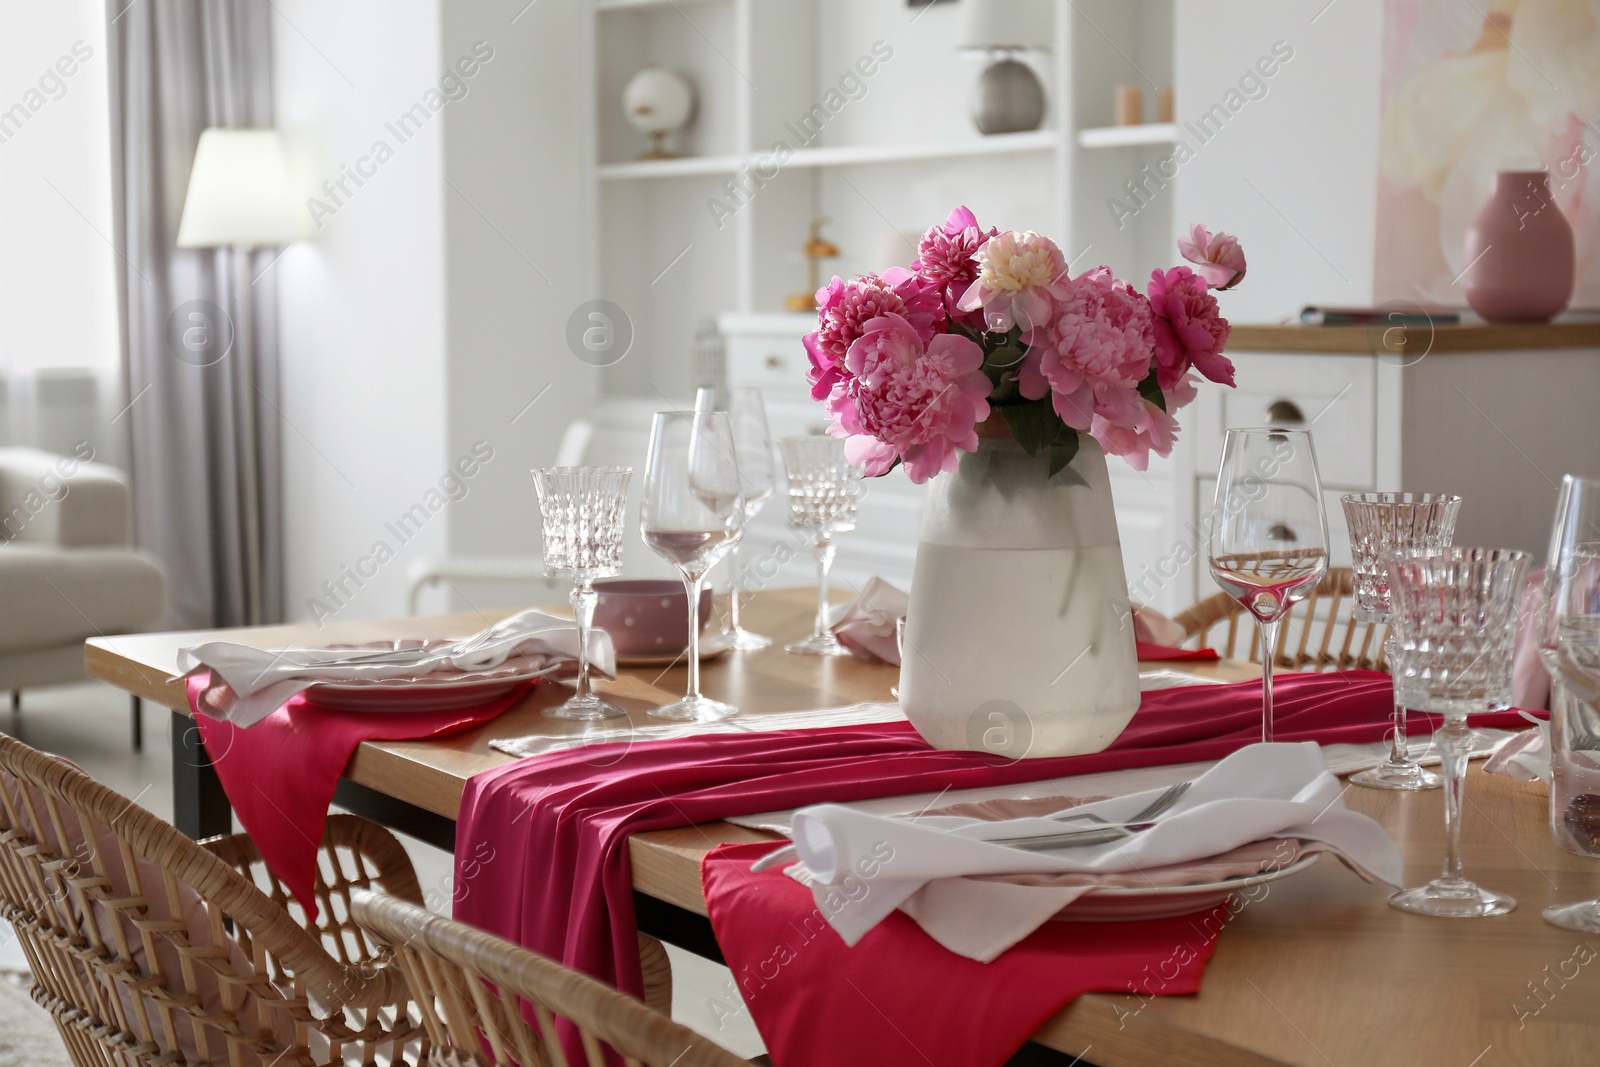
(88, 724)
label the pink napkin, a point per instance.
(280, 774)
(1152, 653)
(561, 882)
(899, 997)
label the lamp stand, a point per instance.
(249, 466)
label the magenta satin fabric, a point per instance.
(280, 774)
(1153, 653)
(901, 997)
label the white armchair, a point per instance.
(68, 570)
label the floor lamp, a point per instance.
(239, 200)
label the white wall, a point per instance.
(1293, 174)
(515, 217)
(57, 291)
(362, 304)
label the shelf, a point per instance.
(628, 5)
(1122, 136)
(848, 155)
(687, 167)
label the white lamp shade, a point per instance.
(239, 193)
(1007, 24)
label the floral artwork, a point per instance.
(911, 361)
(1470, 88)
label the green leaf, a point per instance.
(1062, 450)
(1030, 424)
(1152, 392)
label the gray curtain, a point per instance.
(178, 67)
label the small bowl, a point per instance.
(647, 617)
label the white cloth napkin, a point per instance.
(866, 625)
(862, 867)
(263, 679)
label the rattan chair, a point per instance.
(1318, 634)
(150, 948)
(475, 991)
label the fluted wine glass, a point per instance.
(1381, 523)
(582, 512)
(1569, 642)
(1269, 536)
(692, 515)
(1455, 616)
(824, 490)
(757, 477)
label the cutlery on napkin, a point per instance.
(863, 867)
(262, 679)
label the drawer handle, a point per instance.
(775, 362)
(1283, 413)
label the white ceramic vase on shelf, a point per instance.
(1019, 639)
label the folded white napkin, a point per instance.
(862, 867)
(866, 625)
(264, 678)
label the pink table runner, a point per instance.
(280, 774)
(901, 997)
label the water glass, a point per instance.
(692, 515)
(757, 477)
(1269, 536)
(1455, 613)
(1381, 523)
(1569, 642)
(824, 490)
(582, 512)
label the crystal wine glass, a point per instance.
(1381, 523)
(692, 515)
(582, 509)
(757, 476)
(1569, 642)
(1269, 536)
(1455, 610)
(823, 492)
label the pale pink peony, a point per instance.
(1219, 257)
(1189, 329)
(844, 307)
(1095, 351)
(1021, 276)
(945, 257)
(907, 400)
(1148, 430)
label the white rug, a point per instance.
(28, 1037)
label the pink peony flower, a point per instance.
(1094, 352)
(1149, 429)
(1189, 329)
(1021, 276)
(1218, 255)
(844, 307)
(945, 257)
(905, 398)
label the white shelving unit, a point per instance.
(1128, 136)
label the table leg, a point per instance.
(199, 806)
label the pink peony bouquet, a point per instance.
(909, 362)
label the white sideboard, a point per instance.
(1496, 414)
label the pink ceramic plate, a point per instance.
(440, 690)
(711, 646)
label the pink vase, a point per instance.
(1519, 251)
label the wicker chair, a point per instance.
(474, 989)
(1342, 642)
(150, 948)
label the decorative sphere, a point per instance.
(658, 100)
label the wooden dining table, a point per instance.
(1317, 971)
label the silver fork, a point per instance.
(1106, 831)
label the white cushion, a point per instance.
(55, 597)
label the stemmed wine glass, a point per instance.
(756, 477)
(1381, 523)
(1269, 536)
(823, 492)
(1569, 642)
(692, 515)
(582, 510)
(1455, 610)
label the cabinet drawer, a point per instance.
(770, 363)
(1333, 395)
